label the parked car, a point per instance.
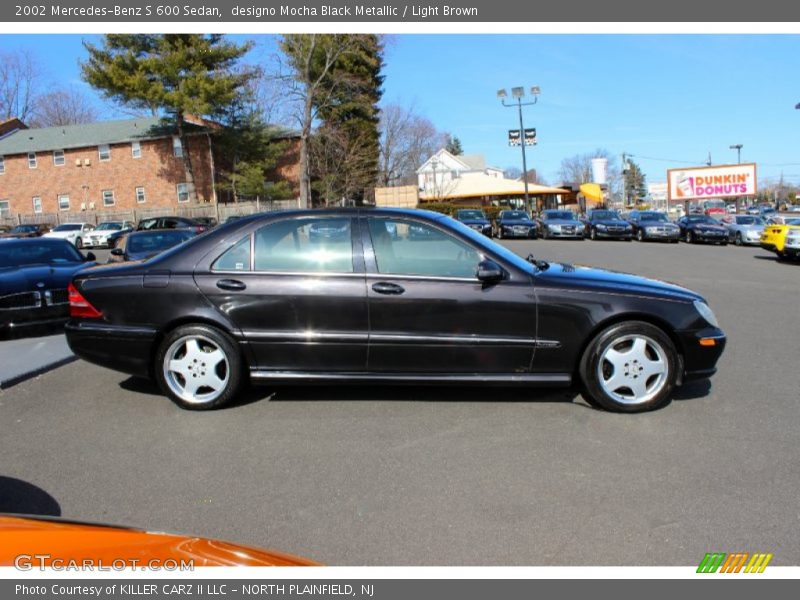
(649, 225)
(69, 542)
(555, 223)
(34, 275)
(514, 223)
(783, 240)
(171, 223)
(702, 228)
(209, 222)
(72, 232)
(745, 230)
(793, 208)
(715, 208)
(99, 237)
(141, 245)
(476, 220)
(26, 231)
(207, 319)
(603, 223)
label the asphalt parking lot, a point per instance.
(449, 476)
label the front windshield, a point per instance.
(605, 214)
(655, 217)
(558, 214)
(471, 214)
(514, 215)
(68, 227)
(793, 222)
(701, 219)
(38, 253)
(109, 226)
(749, 221)
(156, 241)
(24, 229)
(715, 204)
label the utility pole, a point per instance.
(738, 148)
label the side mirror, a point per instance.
(490, 272)
(118, 252)
(90, 257)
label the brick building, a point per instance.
(107, 166)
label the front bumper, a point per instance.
(700, 360)
(117, 347)
(516, 231)
(705, 236)
(624, 234)
(561, 233)
(667, 235)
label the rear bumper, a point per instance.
(121, 348)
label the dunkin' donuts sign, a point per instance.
(700, 183)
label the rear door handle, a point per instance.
(384, 287)
(233, 285)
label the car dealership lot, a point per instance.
(448, 476)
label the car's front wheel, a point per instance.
(79, 243)
(199, 367)
(630, 367)
(640, 235)
(689, 237)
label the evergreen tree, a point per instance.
(635, 182)
(453, 145)
(172, 74)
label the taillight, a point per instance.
(199, 229)
(79, 306)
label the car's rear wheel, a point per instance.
(630, 367)
(199, 367)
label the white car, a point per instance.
(72, 232)
(99, 237)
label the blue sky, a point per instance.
(666, 99)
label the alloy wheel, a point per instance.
(633, 369)
(196, 369)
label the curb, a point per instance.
(12, 381)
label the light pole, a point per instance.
(434, 164)
(738, 148)
(518, 93)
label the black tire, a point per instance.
(657, 343)
(738, 239)
(640, 235)
(232, 369)
(593, 234)
(500, 234)
(689, 237)
(79, 243)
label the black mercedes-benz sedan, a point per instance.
(259, 299)
(34, 275)
(702, 228)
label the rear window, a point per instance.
(236, 258)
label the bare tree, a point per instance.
(578, 169)
(18, 80)
(63, 107)
(311, 58)
(407, 140)
(329, 151)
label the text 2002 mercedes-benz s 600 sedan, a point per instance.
(264, 299)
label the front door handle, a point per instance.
(384, 287)
(233, 285)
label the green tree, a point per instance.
(453, 145)
(635, 182)
(172, 74)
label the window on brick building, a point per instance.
(31, 160)
(5, 208)
(108, 197)
(58, 158)
(183, 192)
(140, 197)
(177, 147)
(2, 165)
(104, 152)
(136, 150)
(63, 202)
(37, 204)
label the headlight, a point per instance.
(793, 233)
(650, 229)
(706, 313)
(554, 227)
(601, 227)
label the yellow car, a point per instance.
(783, 240)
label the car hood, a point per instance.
(612, 222)
(61, 234)
(512, 222)
(601, 279)
(658, 224)
(474, 221)
(14, 280)
(562, 222)
(706, 226)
